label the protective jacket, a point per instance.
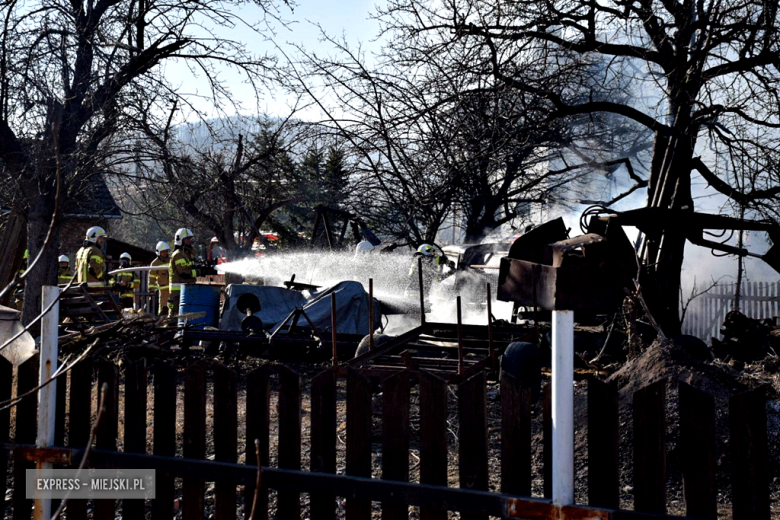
(159, 281)
(132, 282)
(91, 266)
(64, 275)
(432, 270)
(181, 270)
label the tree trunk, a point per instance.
(45, 272)
(670, 188)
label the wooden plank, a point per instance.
(697, 450)
(358, 439)
(547, 439)
(289, 502)
(225, 432)
(164, 435)
(650, 448)
(323, 439)
(6, 390)
(106, 433)
(749, 455)
(472, 437)
(79, 424)
(135, 426)
(258, 410)
(603, 443)
(516, 458)
(194, 438)
(26, 427)
(433, 437)
(395, 438)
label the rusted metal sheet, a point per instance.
(545, 269)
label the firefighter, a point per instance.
(90, 260)
(64, 274)
(159, 280)
(434, 265)
(181, 268)
(126, 283)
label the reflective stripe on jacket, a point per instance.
(181, 263)
(158, 280)
(91, 257)
(132, 283)
(64, 276)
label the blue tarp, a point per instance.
(277, 303)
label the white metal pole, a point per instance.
(563, 407)
(47, 396)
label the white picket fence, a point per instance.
(706, 312)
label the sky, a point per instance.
(347, 18)
(351, 19)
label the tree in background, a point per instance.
(227, 185)
(706, 70)
(73, 76)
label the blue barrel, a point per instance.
(200, 298)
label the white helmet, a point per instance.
(94, 233)
(181, 234)
(126, 256)
(161, 246)
(364, 247)
(426, 250)
(63, 258)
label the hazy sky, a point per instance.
(350, 18)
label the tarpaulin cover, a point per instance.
(277, 303)
(351, 309)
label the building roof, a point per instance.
(99, 204)
(115, 247)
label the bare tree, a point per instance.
(707, 72)
(71, 77)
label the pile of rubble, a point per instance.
(139, 337)
(748, 341)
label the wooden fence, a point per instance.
(706, 312)
(176, 442)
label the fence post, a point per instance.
(697, 443)
(603, 445)
(47, 396)
(288, 502)
(358, 439)
(433, 437)
(323, 439)
(650, 448)
(395, 438)
(472, 438)
(6, 381)
(749, 455)
(563, 407)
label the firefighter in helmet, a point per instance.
(159, 280)
(126, 283)
(181, 268)
(434, 264)
(64, 274)
(90, 259)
